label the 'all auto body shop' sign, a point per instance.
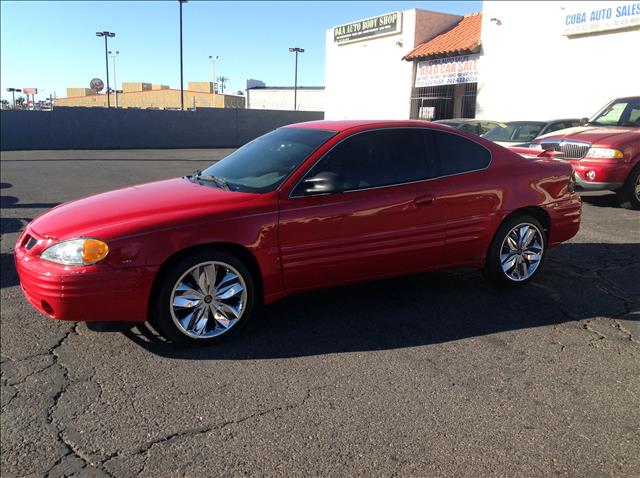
(447, 71)
(387, 24)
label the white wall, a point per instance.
(368, 79)
(282, 99)
(530, 70)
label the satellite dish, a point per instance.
(96, 84)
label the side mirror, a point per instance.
(322, 183)
(584, 121)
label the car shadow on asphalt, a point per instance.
(12, 202)
(428, 309)
(8, 274)
(604, 200)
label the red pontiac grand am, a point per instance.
(306, 206)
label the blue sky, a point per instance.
(52, 45)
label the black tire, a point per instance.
(493, 270)
(162, 312)
(628, 196)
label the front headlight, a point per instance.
(76, 252)
(536, 146)
(605, 153)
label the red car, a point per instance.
(605, 152)
(306, 206)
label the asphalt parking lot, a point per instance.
(431, 375)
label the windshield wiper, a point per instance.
(221, 183)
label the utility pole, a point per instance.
(296, 50)
(13, 92)
(223, 81)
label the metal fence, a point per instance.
(438, 102)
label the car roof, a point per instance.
(345, 125)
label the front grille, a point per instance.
(569, 149)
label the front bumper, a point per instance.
(596, 186)
(96, 293)
(608, 175)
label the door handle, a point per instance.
(424, 200)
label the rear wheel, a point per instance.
(516, 252)
(629, 195)
(204, 298)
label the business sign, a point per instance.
(591, 17)
(30, 91)
(447, 71)
(387, 24)
(96, 84)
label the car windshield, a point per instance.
(263, 164)
(515, 131)
(623, 112)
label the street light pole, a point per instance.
(212, 59)
(106, 36)
(181, 69)
(295, 87)
(115, 82)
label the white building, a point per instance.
(308, 98)
(545, 60)
(514, 60)
(365, 76)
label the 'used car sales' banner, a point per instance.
(447, 71)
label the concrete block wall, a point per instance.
(97, 128)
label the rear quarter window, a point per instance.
(459, 155)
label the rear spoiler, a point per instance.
(536, 153)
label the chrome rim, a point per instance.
(208, 300)
(638, 188)
(521, 252)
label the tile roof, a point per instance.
(461, 39)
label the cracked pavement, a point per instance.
(430, 375)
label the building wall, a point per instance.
(128, 87)
(201, 86)
(80, 92)
(282, 99)
(530, 70)
(368, 79)
(160, 98)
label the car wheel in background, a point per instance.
(517, 252)
(629, 195)
(203, 298)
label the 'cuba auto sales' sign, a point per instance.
(591, 17)
(447, 71)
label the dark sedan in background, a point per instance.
(521, 133)
(473, 126)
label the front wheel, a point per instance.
(629, 195)
(516, 252)
(204, 298)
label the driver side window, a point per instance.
(378, 158)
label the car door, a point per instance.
(383, 219)
(470, 194)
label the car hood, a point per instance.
(597, 135)
(136, 208)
